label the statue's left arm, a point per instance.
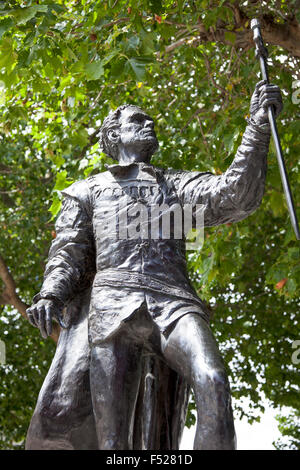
(235, 194)
(71, 260)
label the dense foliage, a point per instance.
(191, 65)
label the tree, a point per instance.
(191, 65)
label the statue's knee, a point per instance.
(212, 381)
(219, 378)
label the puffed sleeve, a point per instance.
(235, 194)
(71, 260)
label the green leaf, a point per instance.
(230, 140)
(94, 70)
(148, 42)
(133, 42)
(22, 15)
(155, 6)
(118, 67)
(61, 181)
(138, 66)
(277, 272)
(276, 203)
(294, 253)
(291, 286)
(80, 137)
(58, 160)
(55, 206)
(5, 25)
(8, 56)
(110, 56)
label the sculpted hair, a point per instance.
(111, 122)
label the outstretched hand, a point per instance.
(42, 313)
(265, 95)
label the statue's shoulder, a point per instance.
(80, 192)
(77, 190)
(99, 179)
(82, 189)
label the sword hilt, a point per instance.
(260, 49)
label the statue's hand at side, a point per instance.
(42, 313)
(265, 95)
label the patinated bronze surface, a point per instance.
(135, 334)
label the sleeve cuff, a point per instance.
(263, 128)
(40, 296)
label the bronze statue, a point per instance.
(131, 313)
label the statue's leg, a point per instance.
(191, 350)
(115, 372)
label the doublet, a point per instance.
(125, 264)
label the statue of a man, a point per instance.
(141, 302)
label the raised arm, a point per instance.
(71, 260)
(235, 194)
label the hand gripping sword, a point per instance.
(261, 53)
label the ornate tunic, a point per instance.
(128, 271)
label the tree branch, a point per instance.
(194, 115)
(5, 168)
(9, 296)
(285, 35)
(7, 200)
(211, 77)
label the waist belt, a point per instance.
(123, 278)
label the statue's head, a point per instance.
(128, 131)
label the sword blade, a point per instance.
(261, 53)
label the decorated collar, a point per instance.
(119, 169)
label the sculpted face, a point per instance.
(136, 135)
